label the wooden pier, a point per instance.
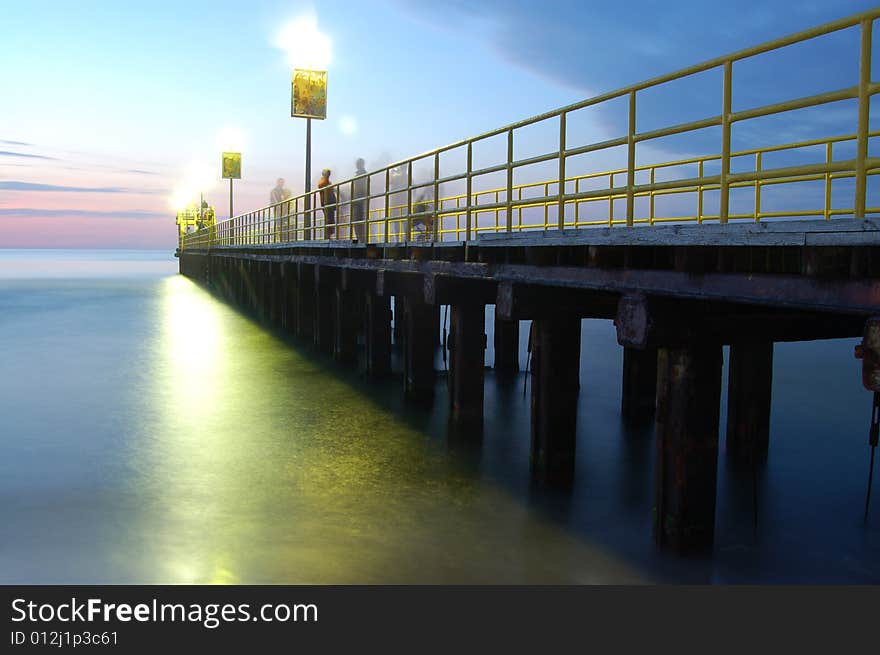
(676, 294)
(741, 248)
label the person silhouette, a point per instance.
(360, 203)
(328, 202)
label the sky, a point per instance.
(104, 106)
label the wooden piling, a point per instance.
(399, 319)
(345, 327)
(639, 391)
(555, 383)
(749, 390)
(378, 334)
(688, 399)
(325, 301)
(467, 345)
(418, 347)
(305, 303)
(506, 340)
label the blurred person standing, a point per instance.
(328, 202)
(359, 202)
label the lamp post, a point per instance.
(231, 169)
(308, 99)
(229, 143)
(308, 53)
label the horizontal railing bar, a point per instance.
(678, 129)
(799, 103)
(593, 147)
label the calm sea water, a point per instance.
(149, 433)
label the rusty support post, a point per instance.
(378, 338)
(688, 399)
(346, 327)
(467, 345)
(325, 300)
(556, 353)
(749, 390)
(286, 297)
(506, 347)
(399, 316)
(639, 391)
(305, 303)
(418, 349)
(438, 339)
(273, 288)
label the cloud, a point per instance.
(13, 185)
(140, 172)
(9, 153)
(76, 213)
(589, 46)
(15, 143)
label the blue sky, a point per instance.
(106, 103)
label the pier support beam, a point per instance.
(324, 306)
(556, 350)
(467, 346)
(639, 391)
(749, 390)
(327, 280)
(264, 288)
(250, 285)
(346, 327)
(506, 347)
(688, 399)
(419, 344)
(304, 313)
(399, 316)
(378, 337)
(274, 293)
(285, 297)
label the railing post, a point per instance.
(864, 112)
(757, 188)
(366, 205)
(409, 204)
(470, 162)
(700, 193)
(725, 142)
(611, 200)
(510, 180)
(630, 162)
(435, 224)
(561, 186)
(829, 157)
(519, 223)
(387, 201)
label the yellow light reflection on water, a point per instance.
(266, 467)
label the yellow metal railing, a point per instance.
(389, 205)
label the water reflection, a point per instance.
(263, 466)
(153, 434)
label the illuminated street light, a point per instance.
(308, 53)
(197, 178)
(229, 142)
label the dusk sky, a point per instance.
(106, 104)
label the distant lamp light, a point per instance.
(348, 125)
(180, 199)
(306, 46)
(230, 139)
